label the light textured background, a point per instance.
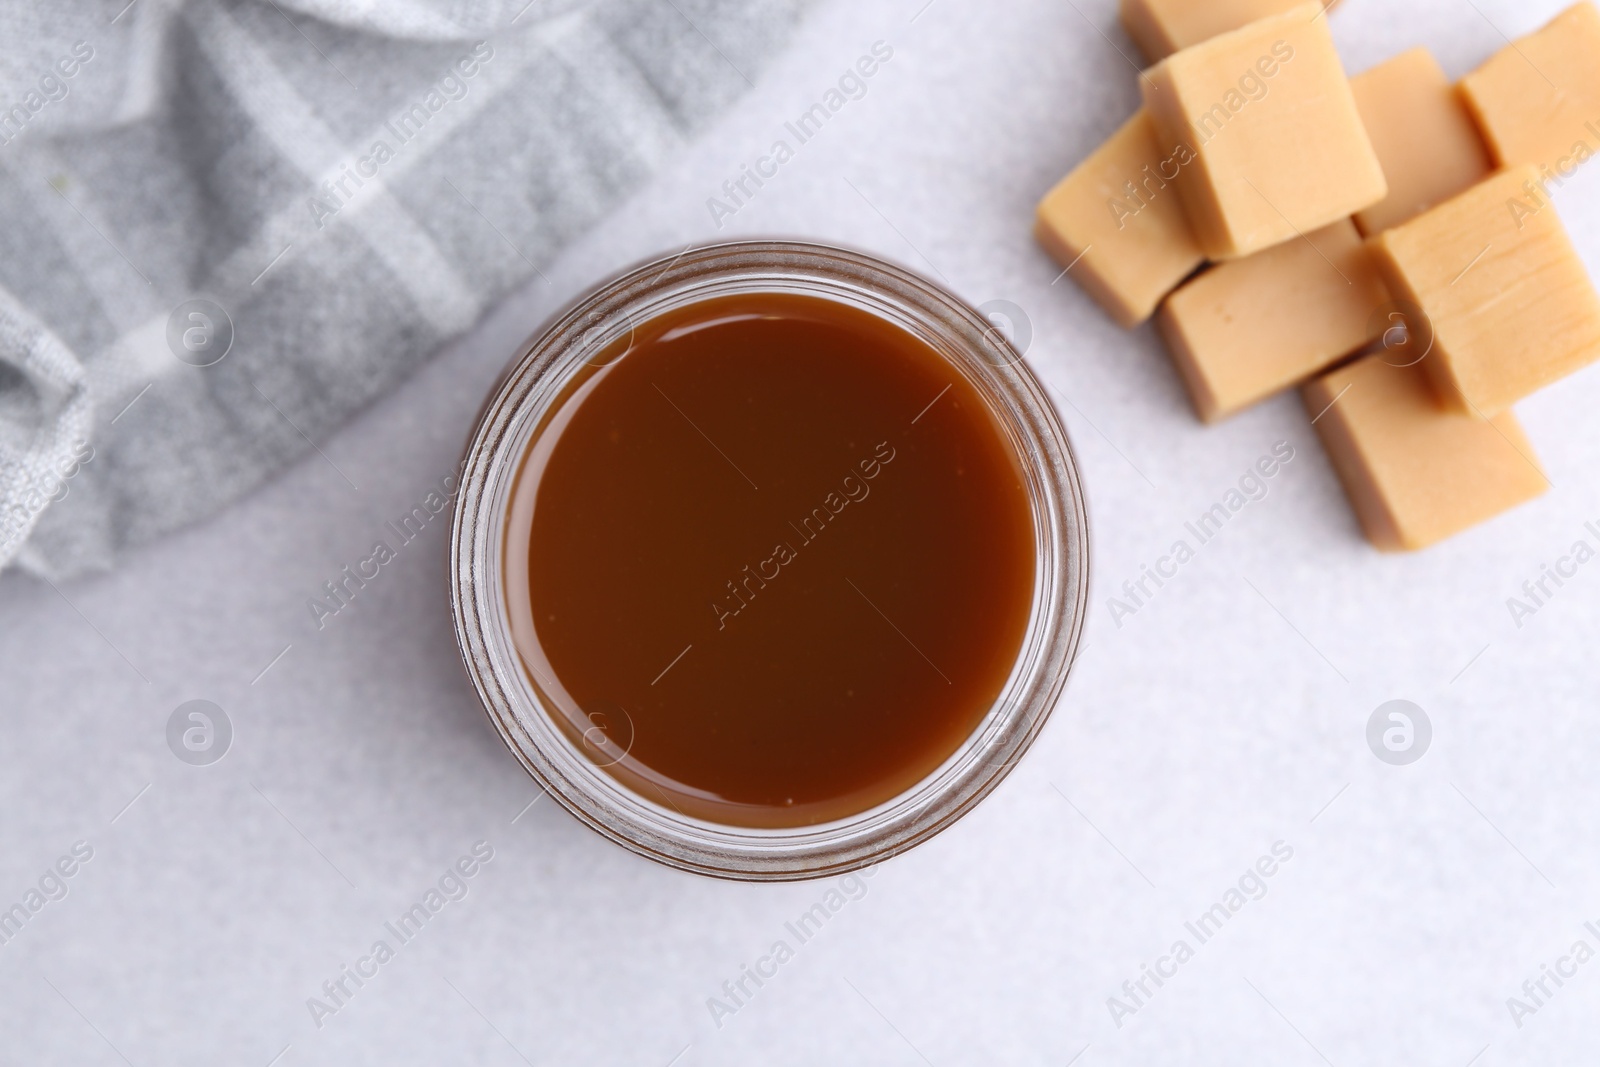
(1190, 740)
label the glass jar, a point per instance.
(572, 768)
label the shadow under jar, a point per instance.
(769, 561)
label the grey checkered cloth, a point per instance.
(351, 182)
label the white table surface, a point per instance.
(1217, 721)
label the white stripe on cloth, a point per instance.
(30, 475)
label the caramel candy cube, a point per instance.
(1248, 328)
(1117, 223)
(1279, 147)
(1509, 302)
(1162, 27)
(1424, 137)
(1414, 472)
(1537, 100)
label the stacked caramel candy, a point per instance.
(1384, 242)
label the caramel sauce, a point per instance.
(771, 560)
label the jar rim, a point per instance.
(535, 384)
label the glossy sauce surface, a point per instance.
(774, 560)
